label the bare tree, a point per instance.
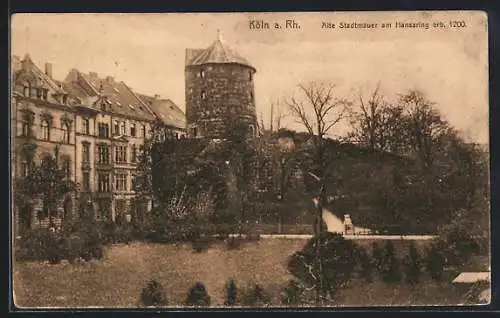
(376, 123)
(319, 112)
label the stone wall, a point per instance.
(215, 91)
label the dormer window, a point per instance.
(203, 95)
(39, 93)
(65, 99)
(26, 91)
(44, 94)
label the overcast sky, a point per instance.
(146, 51)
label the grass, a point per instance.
(118, 280)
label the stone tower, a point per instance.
(219, 83)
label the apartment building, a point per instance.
(98, 125)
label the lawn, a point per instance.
(118, 279)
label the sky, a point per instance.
(146, 51)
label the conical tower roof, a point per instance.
(219, 53)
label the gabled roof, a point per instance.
(165, 110)
(120, 98)
(217, 53)
(30, 72)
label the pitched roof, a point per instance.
(166, 110)
(30, 71)
(217, 53)
(122, 100)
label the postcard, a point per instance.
(248, 160)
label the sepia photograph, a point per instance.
(249, 160)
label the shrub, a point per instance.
(153, 294)
(256, 297)
(201, 244)
(338, 262)
(292, 294)
(390, 264)
(79, 240)
(198, 296)
(413, 265)
(252, 237)
(232, 292)
(435, 262)
(233, 242)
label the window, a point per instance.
(45, 130)
(25, 168)
(67, 167)
(65, 99)
(121, 154)
(86, 126)
(132, 130)
(103, 182)
(202, 73)
(26, 132)
(250, 75)
(133, 183)
(66, 134)
(203, 95)
(144, 131)
(86, 181)
(121, 182)
(39, 93)
(103, 154)
(123, 129)
(103, 130)
(86, 153)
(133, 153)
(116, 127)
(251, 96)
(44, 94)
(26, 91)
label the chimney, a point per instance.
(157, 96)
(48, 69)
(16, 63)
(93, 74)
(110, 79)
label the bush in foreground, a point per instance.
(153, 294)
(339, 261)
(198, 296)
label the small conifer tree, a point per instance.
(153, 294)
(198, 296)
(231, 293)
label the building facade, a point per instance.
(219, 83)
(97, 126)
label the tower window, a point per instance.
(250, 75)
(203, 95)
(202, 73)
